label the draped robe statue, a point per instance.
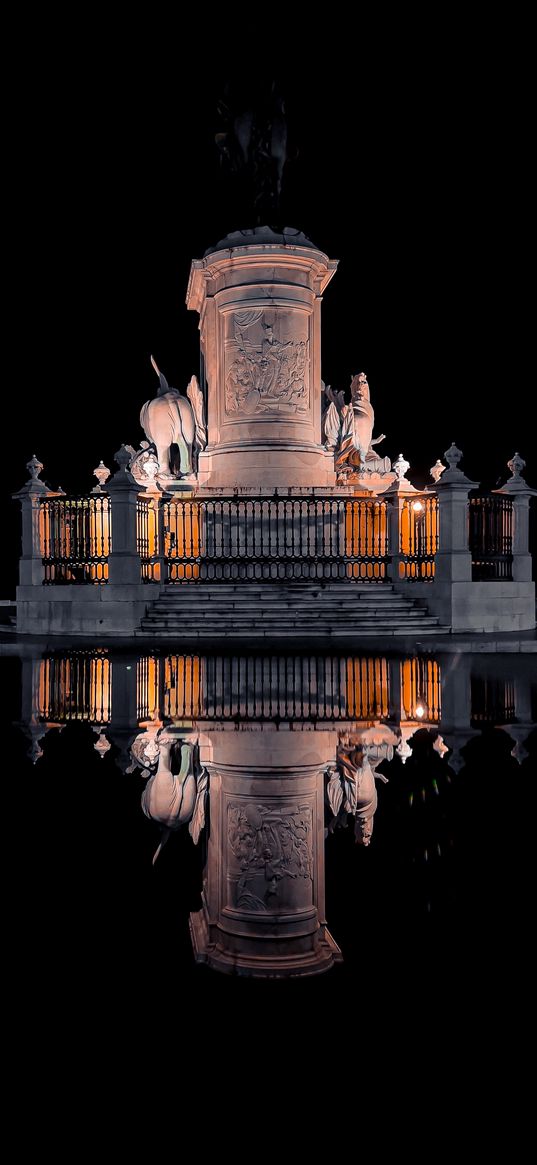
(356, 439)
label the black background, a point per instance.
(410, 164)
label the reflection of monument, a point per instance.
(263, 894)
(249, 752)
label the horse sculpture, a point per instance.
(171, 419)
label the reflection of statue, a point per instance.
(351, 785)
(349, 428)
(176, 790)
(170, 419)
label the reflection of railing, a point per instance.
(223, 539)
(493, 700)
(421, 690)
(238, 688)
(75, 687)
(491, 537)
(235, 688)
(76, 539)
(419, 538)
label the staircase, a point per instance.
(302, 610)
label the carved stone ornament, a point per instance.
(437, 470)
(102, 473)
(102, 745)
(400, 467)
(272, 846)
(516, 465)
(264, 372)
(144, 464)
(34, 467)
(453, 456)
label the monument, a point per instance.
(261, 476)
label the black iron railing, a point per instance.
(76, 539)
(147, 540)
(491, 537)
(223, 539)
(419, 538)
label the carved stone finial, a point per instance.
(400, 467)
(102, 745)
(453, 456)
(122, 457)
(437, 470)
(34, 466)
(102, 473)
(516, 465)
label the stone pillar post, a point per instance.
(400, 489)
(31, 562)
(124, 559)
(123, 724)
(396, 494)
(263, 898)
(453, 562)
(457, 707)
(521, 494)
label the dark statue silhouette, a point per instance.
(253, 149)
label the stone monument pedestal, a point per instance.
(263, 893)
(259, 296)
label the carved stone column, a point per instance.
(259, 295)
(263, 896)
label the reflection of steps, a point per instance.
(210, 610)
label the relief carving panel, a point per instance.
(266, 364)
(271, 866)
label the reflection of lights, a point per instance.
(420, 711)
(417, 507)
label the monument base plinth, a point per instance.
(266, 466)
(286, 959)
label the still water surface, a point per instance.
(275, 817)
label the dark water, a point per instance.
(437, 902)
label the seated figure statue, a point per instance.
(349, 429)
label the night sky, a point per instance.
(410, 167)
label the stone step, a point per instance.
(413, 616)
(302, 609)
(288, 631)
(251, 618)
(224, 603)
